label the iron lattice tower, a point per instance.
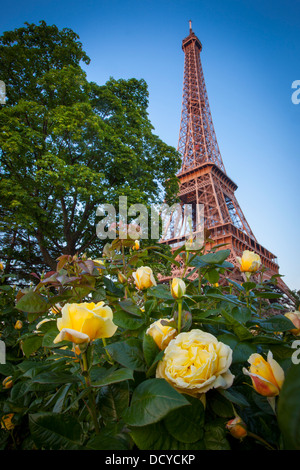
(203, 178)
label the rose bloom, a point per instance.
(178, 288)
(82, 323)
(295, 318)
(136, 245)
(267, 376)
(237, 428)
(6, 422)
(18, 325)
(195, 361)
(162, 334)
(143, 278)
(249, 262)
(7, 382)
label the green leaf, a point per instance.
(151, 401)
(241, 350)
(268, 295)
(288, 410)
(150, 349)
(128, 353)
(31, 344)
(33, 304)
(156, 437)
(161, 291)
(240, 330)
(52, 377)
(101, 376)
(130, 307)
(127, 321)
(276, 323)
(109, 438)
(111, 287)
(114, 401)
(211, 259)
(215, 437)
(52, 431)
(186, 423)
(234, 396)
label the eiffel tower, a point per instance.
(203, 178)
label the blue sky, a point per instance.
(250, 59)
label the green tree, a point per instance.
(68, 145)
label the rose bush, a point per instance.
(102, 355)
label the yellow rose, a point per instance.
(82, 323)
(178, 288)
(267, 376)
(237, 428)
(6, 422)
(162, 334)
(7, 382)
(195, 361)
(250, 262)
(295, 318)
(1, 266)
(136, 245)
(143, 278)
(18, 325)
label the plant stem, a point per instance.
(109, 358)
(92, 403)
(255, 436)
(179, 315)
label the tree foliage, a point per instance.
(68, 145)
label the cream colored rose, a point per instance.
(195, 361)
(249, 262)
(82, 323)
(162, 334)
(178, 288)
(143, 278)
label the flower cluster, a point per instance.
(113, 358)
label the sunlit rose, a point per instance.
(250, 262)
(136, 245)
(267, 376)
(143, 278)
(82, 323)
(195, 362)
(162, 334)
(178, 288)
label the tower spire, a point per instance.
(197, 139)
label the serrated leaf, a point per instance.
(52, 431)
(151, 401)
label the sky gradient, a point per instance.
(250, 59)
